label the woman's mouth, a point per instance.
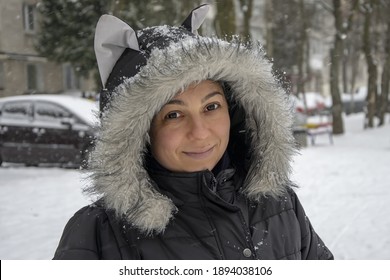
(200, 154)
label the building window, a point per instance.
(34, 78)
(2, 75)
(29, 17)
(71, 80)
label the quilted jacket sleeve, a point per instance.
(88, 236)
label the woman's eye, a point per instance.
(172, 115)
(212, 107)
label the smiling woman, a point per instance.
(191, 132)
(193, 155)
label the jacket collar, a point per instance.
(183, 188)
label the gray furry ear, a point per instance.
(112, 37)
(196, 18)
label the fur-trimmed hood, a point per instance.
(117, 162)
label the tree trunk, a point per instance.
(372, 69)
(355, 67)
(269, 11)
(385, 88)
(225, 20)
(385, 81)
(301, 52)
(307, 55)
(345, 73)
(246, 8)
(335, 55)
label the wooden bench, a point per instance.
(313, 129)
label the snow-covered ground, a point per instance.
(345, 189)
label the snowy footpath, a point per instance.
(344, 188)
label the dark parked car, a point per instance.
(38, 129)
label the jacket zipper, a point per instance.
(213, 188)
(213, 184)
(248, 237)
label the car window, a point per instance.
(45, 111)
(16, 110)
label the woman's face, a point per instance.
(191, 132)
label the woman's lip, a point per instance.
(200, 155)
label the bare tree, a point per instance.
(225, 19)
(351, 48)
(353, 58)
(385, 81)
(335, 55)
(246, 8)
(343, 17)
(302, 54)
(269, 25)
(368, 9)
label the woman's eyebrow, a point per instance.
(204, 99)
(210, 95)
(175, 101)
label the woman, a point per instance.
(193, 155)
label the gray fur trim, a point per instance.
(117, 161)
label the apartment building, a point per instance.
(22, 69)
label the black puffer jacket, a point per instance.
(149, 213)
(213, 222)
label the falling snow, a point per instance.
(344, 189)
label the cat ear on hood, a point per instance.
(196, 18)
(112, 37)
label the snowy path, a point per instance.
(345, 189)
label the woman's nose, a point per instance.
(198, 128)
